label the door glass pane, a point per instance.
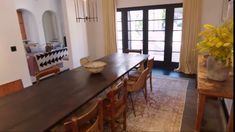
(119, 46)
(135, 15)
(157, 46)
(176, 46)
(118, 16)
(158, 56)
(177, 35)
(157, 35)
(178, 25)
(135, 44)
(175, 57)
(135, 25)
(119, 35)
(135, 29)
(119, 26)
(157, 14)
(178, 14)
(119, 31)
(135, 35)
(157, 25)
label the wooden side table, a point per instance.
(207, 87)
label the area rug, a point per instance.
(164, 109)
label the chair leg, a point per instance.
(132, 103)
(124, 120)
(145, 94)
(112, 125)
(151, 85)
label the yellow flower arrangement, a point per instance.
(218, 42)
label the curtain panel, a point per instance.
(109, 14)
(191, 28)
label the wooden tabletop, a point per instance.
(40, 107)
(210, 87)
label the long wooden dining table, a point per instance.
(40, 107)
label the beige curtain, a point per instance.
(191, 29)
(109, 13)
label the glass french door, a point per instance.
(156, 30)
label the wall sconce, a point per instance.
(86, 10)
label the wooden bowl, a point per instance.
(95, 66)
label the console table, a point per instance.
(206, 88)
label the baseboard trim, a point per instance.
(225, 109)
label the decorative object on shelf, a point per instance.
(95, 66)
(217, 42)
(86, 10)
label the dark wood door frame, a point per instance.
(168, 31)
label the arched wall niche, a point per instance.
(50, 26)
(28, 25)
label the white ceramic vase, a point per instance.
(216, 70)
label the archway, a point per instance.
(50, 26)
(28, 26)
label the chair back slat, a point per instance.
(150, 64)
(11, 87)
(118, 96)
(141, 81)
(75, 125)
(52, 70)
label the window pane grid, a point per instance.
(157, 14)
(177, 34)
(119, 31)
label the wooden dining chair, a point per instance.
(11, 87)
(134, 75)
(139, 84)
(54, 70)
(115, 105)
(92, 121)
(138, 51)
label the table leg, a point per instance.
(230, 122)
(200, 112)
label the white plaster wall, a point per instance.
(95, 34)
(13, 65)
(38, 7)
(212, 12)
(76, 35)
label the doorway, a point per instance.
(156, 30)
